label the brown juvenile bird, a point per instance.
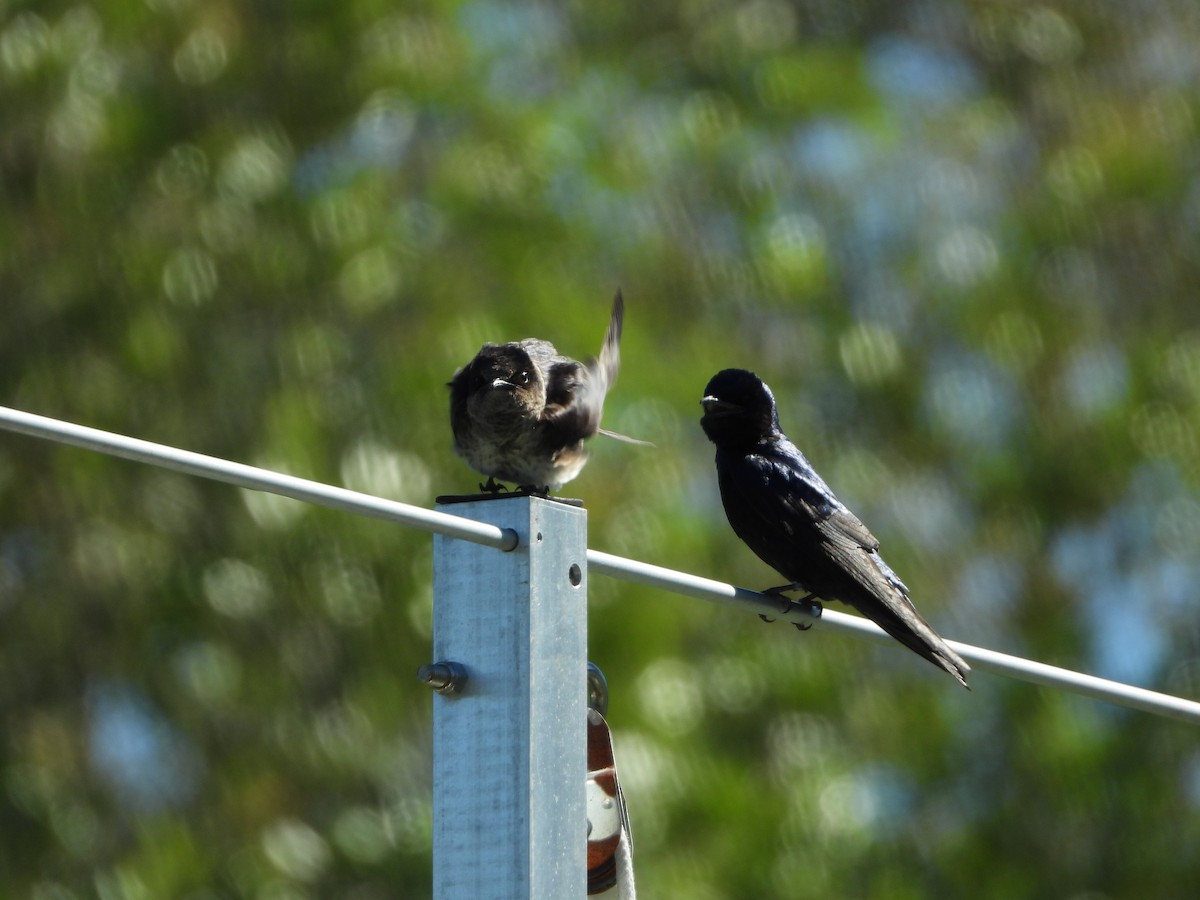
(521, 413)
(784, 511)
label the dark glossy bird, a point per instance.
(784, 511)
(521, 413)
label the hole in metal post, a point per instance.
(575, 574)
(539, 537)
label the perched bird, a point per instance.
(521, 413)
(784, 511)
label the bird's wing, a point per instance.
(883, 597)
(575, 392)
(786, 507)
(604, 368)
(805, 493)
(849, 542)
(566, 388)
(856, 549)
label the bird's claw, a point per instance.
(809, 598)
(492, 486)
(770, 619)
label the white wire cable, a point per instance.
(255, 478)
(980, 657)
(671, 580)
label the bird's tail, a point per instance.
(902, 621)
(626, 438)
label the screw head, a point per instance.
(443, 677)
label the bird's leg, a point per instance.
(783, 589)
(492, 486)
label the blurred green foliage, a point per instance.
(960, 240)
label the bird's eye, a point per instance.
(521, 378)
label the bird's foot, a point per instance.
(809, 598)
(492, 486)
(543, 491)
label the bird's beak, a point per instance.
(501, 383)
(713, 404)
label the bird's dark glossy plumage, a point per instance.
(784, 511)
(520, 412)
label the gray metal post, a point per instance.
(509, 747)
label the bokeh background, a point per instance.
(961, 241)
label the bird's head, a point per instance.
(503, 380)
(739, 409)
